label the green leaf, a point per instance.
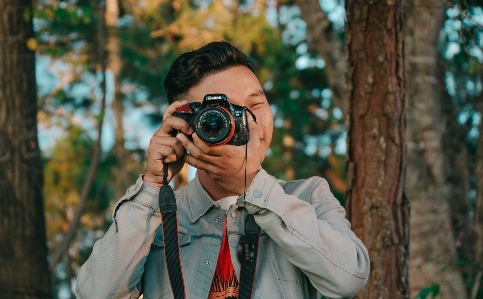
(100, 116)
(432, 290)
(474, 67)
(27, 15)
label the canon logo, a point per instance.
(213, 97)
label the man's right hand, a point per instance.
(164, 148)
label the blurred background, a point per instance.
(100, 66)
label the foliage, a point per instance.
(424, 293)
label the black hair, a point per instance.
(191, 67)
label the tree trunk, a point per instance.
(432, 250)
(376, 204)
(23, 251)
(479, 204)
(114, 65)
(457, 177)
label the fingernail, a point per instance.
(180, 137)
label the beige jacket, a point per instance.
(306, 243)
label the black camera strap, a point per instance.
(248, 247)
(247, 253)
(169, 219)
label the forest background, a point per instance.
(97, 72)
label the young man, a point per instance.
(306, 243)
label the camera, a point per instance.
(216, 121)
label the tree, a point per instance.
(479, 207)
(433, 259)
(114, 65)
(90, 177)
(376, 204)
(23, 251)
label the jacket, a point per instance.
(306, 243)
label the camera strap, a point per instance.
(248, 247)
(247, 251)
(169, 219)
(247, 254)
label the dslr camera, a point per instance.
(216, 121)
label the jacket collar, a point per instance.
(199, 202)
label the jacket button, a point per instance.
(218, 219)
(207, 263)
(257, 193)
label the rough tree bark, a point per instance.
(24, 270)
(433, 257)
(329, 47)
(376, 204)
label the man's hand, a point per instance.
(225, 164)
(164, 148)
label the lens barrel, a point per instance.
(215, 125)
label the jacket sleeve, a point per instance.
(313, 233)
(116, 264)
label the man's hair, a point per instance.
(191, 67)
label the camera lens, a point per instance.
(214, 125)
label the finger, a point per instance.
(171, 123)
(253, 134)
(171, 109)
(194, 150)
(197, 163)
(165, 153)
(203, 146)
(169, 141)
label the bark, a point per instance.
(329, 47)
(433, 257)
(114, 65)
(479, 202)
(23, 251)
(376, 204)
(96, 155)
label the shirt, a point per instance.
(225, 282)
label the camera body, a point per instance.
(216, 121)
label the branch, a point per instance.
(329, 47)
(91, 173)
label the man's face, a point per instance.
(242, 88)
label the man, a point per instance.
(306, 243)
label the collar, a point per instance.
(199, 202)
